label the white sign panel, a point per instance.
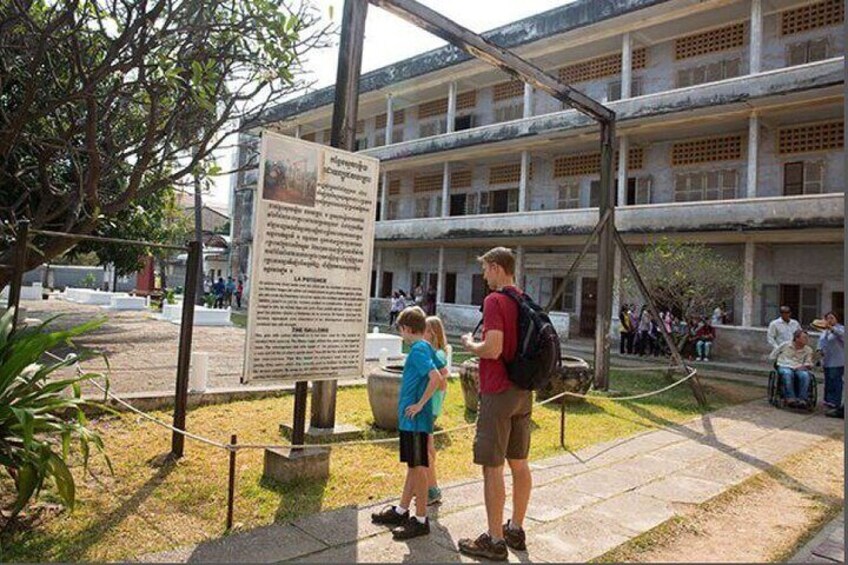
(313, 237)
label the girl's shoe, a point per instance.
(434, 495)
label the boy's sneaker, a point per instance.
(484, 547)
(388, 516)
(411, 528)
(699, 359)
(434, 495)
(515, 537)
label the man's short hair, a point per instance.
(797, 333)
(786, 309)
(413, 318)
(500, 256)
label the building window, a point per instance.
(569, 196)
(386, 284)
(614, 89)
(360, 143)
(457, 205)
(479, 290)
(710, 185)
(812, 16)
(804, 300)
(803, 177)
(450, 288)
(422, 207)
(373, 292)
(392, 210)
(710, 72)
(463, 122)
(509, 112)
(431, 128)
(821, 136)
(805, 52)
(567, 301)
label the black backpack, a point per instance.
(537, 356)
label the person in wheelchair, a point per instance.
(793, 361)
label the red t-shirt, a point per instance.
(500, 312)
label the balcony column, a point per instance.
(748, 285)
(390, 118)
(297, 131)
(626, 65)
(445, 190)
(623, 150)
(528, 101)
(440, 287)
(378, 271)
(451, 117)
(616, 294)
(522, 181)
(519, 266)
(753, 151)
(384, 198)
(756, 44)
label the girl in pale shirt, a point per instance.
(434, 332)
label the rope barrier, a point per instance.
(231, 447)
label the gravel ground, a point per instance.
(142, 350)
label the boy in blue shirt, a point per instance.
(415, 421)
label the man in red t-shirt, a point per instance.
(503, 419)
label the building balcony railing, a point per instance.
(740, 215)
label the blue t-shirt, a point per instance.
(416, 377)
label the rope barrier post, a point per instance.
(562, 422)
(231, 494)
(184, 356)
(18, 268)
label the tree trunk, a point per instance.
(198, 236)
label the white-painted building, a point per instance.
(730, 114)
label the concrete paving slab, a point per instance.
(650, 466)
(634, 511)
(604, 483)
(685, 489)
(576, 538)
(341, 526)
(383, 549)
(268, 544)
(462, 496)
(728, 469)
(468, 523)
(552, 502)
(687, 453)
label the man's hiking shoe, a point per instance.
(411, 528)
(484, 547)
(434, 495)
(389, 517)
(515, 538)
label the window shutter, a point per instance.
(813, 177)
(793, 178)
(643, 190)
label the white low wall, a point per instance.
(127, 303)
(204, 316)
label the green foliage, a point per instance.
(209, 300)
(88, 281)
(690, 279)
(40, 418)
(104, 104)
(170, 296)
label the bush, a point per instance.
(41, 418)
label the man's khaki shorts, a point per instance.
(503, 427)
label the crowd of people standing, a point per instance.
(426, 300)
(641, 333)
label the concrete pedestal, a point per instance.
(342, 432)
(127, 303)
(284, 465)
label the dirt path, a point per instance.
(764, 519)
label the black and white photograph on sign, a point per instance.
(291, 177)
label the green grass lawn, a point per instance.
(147, 506)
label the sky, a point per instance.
(389, 39)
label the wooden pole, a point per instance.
(184, 355)
(606, 258)
(342, 136)
(231, 490)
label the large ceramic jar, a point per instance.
(383, 395)
(469, 378)
(575, 375)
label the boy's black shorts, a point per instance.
(413, 449)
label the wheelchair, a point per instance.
(777, 398)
